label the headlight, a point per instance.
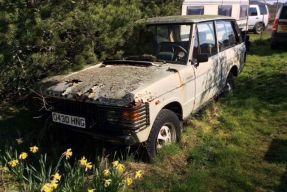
(131, 118)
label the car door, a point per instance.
(253, 17)
(229, 54)
(207, 73)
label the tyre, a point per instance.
(229, 85)
(274, 45)
(165, 130)
(259, 28)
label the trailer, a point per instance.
(238, 9)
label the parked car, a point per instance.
(279, 32)
(258, 17)
(179, 64)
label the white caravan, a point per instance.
(238, 9)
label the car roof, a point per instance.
(182, 19)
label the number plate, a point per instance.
(69, 120)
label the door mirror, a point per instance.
(201, 58)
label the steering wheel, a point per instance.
(179, 47)
(177, 54)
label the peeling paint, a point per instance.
(109, 84)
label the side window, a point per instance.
(225, 10)
(230, 33)
(237, 32)
(243, 11)
(226, 35)
(263, 9)
(252, 11)
(195, 10)
(283, 14)
(206, 38)
(221, 35)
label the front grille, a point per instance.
(103, 118)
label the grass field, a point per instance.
(237, 144)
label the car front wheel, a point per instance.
(165, 130)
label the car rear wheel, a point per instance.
(229, 85)
(165, 130)
(259, 28)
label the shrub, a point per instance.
(40, 38)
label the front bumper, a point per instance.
(127, 138)
(106, 123)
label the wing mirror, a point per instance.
(201, 58)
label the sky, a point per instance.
(274, 1)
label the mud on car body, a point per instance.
(180, 64)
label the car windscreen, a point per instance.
(283, 14)
(164, 42)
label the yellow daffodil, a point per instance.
(50, 187)
(54, 184)
(19, 141)
(88, 166)
(106, 173)
(107, 183)
(129, 181)
(115, 164)
(91, 190)
(85, 164)
(83, 161)
(47, 188)
(34, 149)
(56, 177)
(23, 156)
(68, 154)
(138, 175)
(120, 169)
(13, 163)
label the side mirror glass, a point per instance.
(201, 58)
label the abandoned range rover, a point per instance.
(182, 62)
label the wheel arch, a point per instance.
(176, 108)
(234, 71)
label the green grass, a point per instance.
(237, 144)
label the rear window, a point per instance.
(195, 10)
(263, 9)
(283, 14)
(225, 10)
